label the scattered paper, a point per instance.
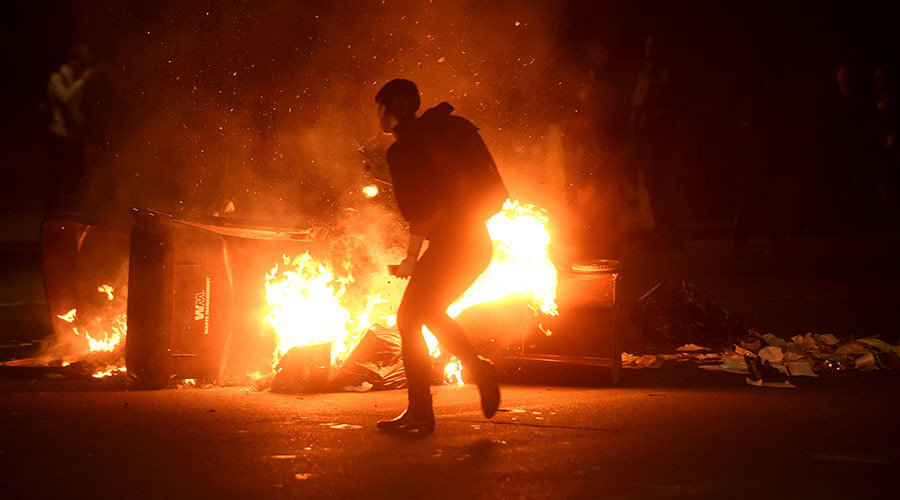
(775, 340)
(866, 362)
(771, 354)
(778, 385)
(879, 344)
(691, 348)
(800, 369)
(828, 339)
(852, 348)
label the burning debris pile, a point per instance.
(322, 318)
(105, 346)
(329, 338)
(92, 341)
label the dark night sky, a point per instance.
(279, 79)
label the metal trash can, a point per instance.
(586, 332)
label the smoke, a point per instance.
(259, 103)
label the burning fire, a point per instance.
(100, 334)
(113, 333)
(305, 301)
(370, 191)
(305, 296)
(108, 290)
(67, 317)
(453, 372)
(521, 266)
(109, 370)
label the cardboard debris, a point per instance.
(800, 369)
(691, 348)
(772, 354)
(783, 384)
(769, 360)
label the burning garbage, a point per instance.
(328, 309)
(309, 306)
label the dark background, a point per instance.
(173, 128)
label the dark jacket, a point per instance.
(444, 176)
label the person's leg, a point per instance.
(452, 337)
(448, 268)
(454, 265)
(416, 361)
(419, 415)
(662, 202)
(443, 273)
(748, 196)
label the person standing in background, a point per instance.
(65, 93)
(651, 125)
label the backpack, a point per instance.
(468, 165)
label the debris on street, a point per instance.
(676, 311)
(767, 360)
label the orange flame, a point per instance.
(108, 290)
(67, 317)
(102, 334)
(305, 297)
(109, 371)
(370, 191)
(112, 334)
(521, 266)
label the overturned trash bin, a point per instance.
(182, 301)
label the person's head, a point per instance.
(80, 57)
(397, 101)
(879, 79)
(597, 56)
(650, 48)
(843, 75)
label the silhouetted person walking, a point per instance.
(764, 140)
(446, 185)
(652, 125)
(65, 91)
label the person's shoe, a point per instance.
(419, 417)
(486, 380)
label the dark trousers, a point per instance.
(759, 202)
(654, 160)
(448, 268)
(65, 174)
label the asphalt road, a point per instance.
(669, 433)
(675, 432)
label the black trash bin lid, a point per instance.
(596, 266)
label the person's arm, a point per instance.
(405, 268)
(58, 90)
